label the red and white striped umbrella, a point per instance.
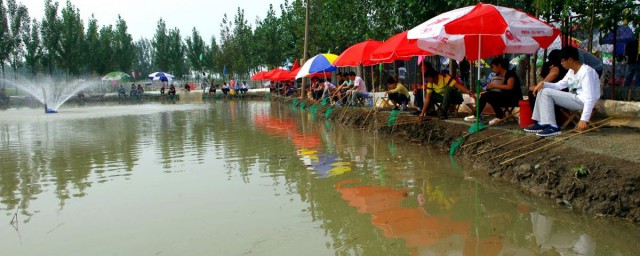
(482, 31)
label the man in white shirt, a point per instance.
(402, 73)
(329, 88)
(584, 93)
(359, 88)
(244, 87)
(225, 88)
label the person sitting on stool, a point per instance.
(584, 92)
(443, 89)
(498, 95)
(398, 95)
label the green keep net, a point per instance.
(324, 102)
(393, 117)
(327, 113)
(313, 109)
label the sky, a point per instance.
(142, 16)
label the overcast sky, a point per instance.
(142, 16)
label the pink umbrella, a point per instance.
(463, 32)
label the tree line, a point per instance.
(59, 44)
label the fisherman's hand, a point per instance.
(537, 88)
(582, 125)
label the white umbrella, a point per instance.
(463, 32)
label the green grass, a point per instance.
(580, 170)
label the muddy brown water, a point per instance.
(260, 178)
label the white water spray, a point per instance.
(50, 93)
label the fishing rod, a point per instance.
(541, 140)
(555, 142)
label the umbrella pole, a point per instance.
(373, 93)
(478, 111)
(424, 84)
(325, 80)
(373, 87)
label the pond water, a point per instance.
(260, 178)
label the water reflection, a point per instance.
(436, 207)
(356, 193)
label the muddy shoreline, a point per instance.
(589, 183)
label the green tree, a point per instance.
(143, 52)
(291, 34)
(92, 46)
(63, 44)
(50, 31)
(124, 49)
(5, 38)
(176, 53)
(106, 54)
(211, 57)
(267, 46)
(70, 55)
(33, 47)
(227, 49)
(243, 44)
(195, 50)
(19, 18)
(160, 43)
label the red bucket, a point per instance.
(525, 114)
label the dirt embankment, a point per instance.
(592, 183)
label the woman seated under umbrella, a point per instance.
(500, 95)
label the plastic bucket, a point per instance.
(525, 114)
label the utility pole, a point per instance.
(306, 46)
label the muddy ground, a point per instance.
(595, 173)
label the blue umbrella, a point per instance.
(323, 164)
(162, 76)
(317, 64)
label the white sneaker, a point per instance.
(470, 118)
(495, 121)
